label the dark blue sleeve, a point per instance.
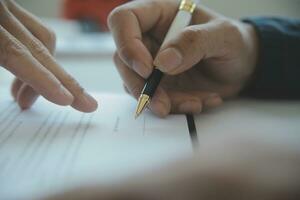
(278, 71)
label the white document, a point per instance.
(49, 148)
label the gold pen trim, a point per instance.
(187, 5)
(143, 102)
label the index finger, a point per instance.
(13, 55)
(128, 23)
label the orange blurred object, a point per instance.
(96, 10)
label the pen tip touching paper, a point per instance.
(142, 104)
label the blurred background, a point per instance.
(85, 49)
(232, 8)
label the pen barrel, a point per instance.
(152, 83)
(182, 20)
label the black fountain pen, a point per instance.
(182, 20)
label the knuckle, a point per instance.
(38, 48)
(193, 38)
(230, 28)
(51, 36)
(197, 33)
(228, 25)
(191, 35)
(116, 15)
(12, 50)
(50, 39)
(231, 32)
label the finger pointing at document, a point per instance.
(207, 62)
(26, 50)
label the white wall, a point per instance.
(233, 8)
(42, 8)
(239, 8)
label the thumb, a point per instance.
(192, 45)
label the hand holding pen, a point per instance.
(182, 20)
(206, 62)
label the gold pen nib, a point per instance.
(143, 102)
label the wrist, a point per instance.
(252, 51)
(253, 43)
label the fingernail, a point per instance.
(30, 100)
(190, 107)
(90, 103)
(168, 60)
(213, 100)
(142, 69)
